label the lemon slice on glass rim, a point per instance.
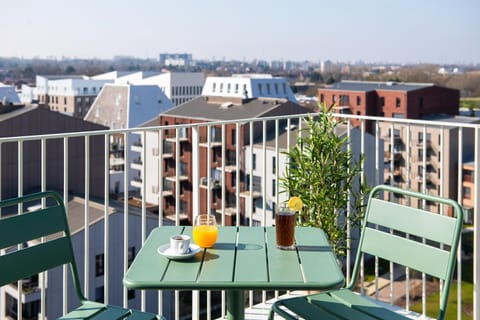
(295, 204)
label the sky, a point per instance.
(401, 31)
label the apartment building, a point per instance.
(468, 191)
(415, 157)
(223, 98)
(72, 95)
(175, 59)
(28, 120)
(264, 168)
(419, 157)
(390, 99)
(8, 95)
(122, 106)
(179, 87)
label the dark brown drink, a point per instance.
(285, 229)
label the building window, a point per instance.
(65, 100)
(439, 156)
(234, 179)
(260, 88)
(236, 87)
(321, 97)
(284, 87)
(214, 87)
(99, 265)
(131, 255)
(228, 87)
(234, 136)
(344, 100)
(221, 87)
(268, 89)
(359, 100)
(397, 102)
(274, 186)
(467, 193)
(254, 162)
(382, 101)
(398, 115)
(276, 88)
(131, 294)
(99, 291)
(274, 165)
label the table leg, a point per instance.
(235, 305)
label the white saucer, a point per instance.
(166, 251)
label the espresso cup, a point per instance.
(180, 243)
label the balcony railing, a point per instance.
(119, 230)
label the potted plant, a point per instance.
(325, 174)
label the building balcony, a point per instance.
(214, 183)
(128, 226)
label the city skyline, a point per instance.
(428, 31)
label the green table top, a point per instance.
(251, 261)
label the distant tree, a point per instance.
(316, 77)
(330, 80)
(28, 72)
(70, 70)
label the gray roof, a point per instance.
(451, 118)
(367, 86)
(200, 108)
(21, 109)
(340, 130)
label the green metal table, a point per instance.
(243, 258)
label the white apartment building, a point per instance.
(264, 171)
(28, 94)
(122, 106)
(248, 86)
(8, 95)
(180, 87)
(72, 95)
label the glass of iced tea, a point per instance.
(285, 228)
(205, 231)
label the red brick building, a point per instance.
(208, 109)
(390, 99)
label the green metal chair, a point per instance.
(421, 240)
(21, 261)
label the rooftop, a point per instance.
(367, 86)
(204, 109)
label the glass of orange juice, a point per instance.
(205, 231)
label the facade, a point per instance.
(179, 87)
(468, 191)
(419, 157)
(8, 95)
(121, 106)
(262, 172)
(405, 164)
(26, 121)
(248, 86)
(211, 106)
(72, 95)
(391, 99)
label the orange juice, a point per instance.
(205, 236)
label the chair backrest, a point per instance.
(412, 237)
(24, 255)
